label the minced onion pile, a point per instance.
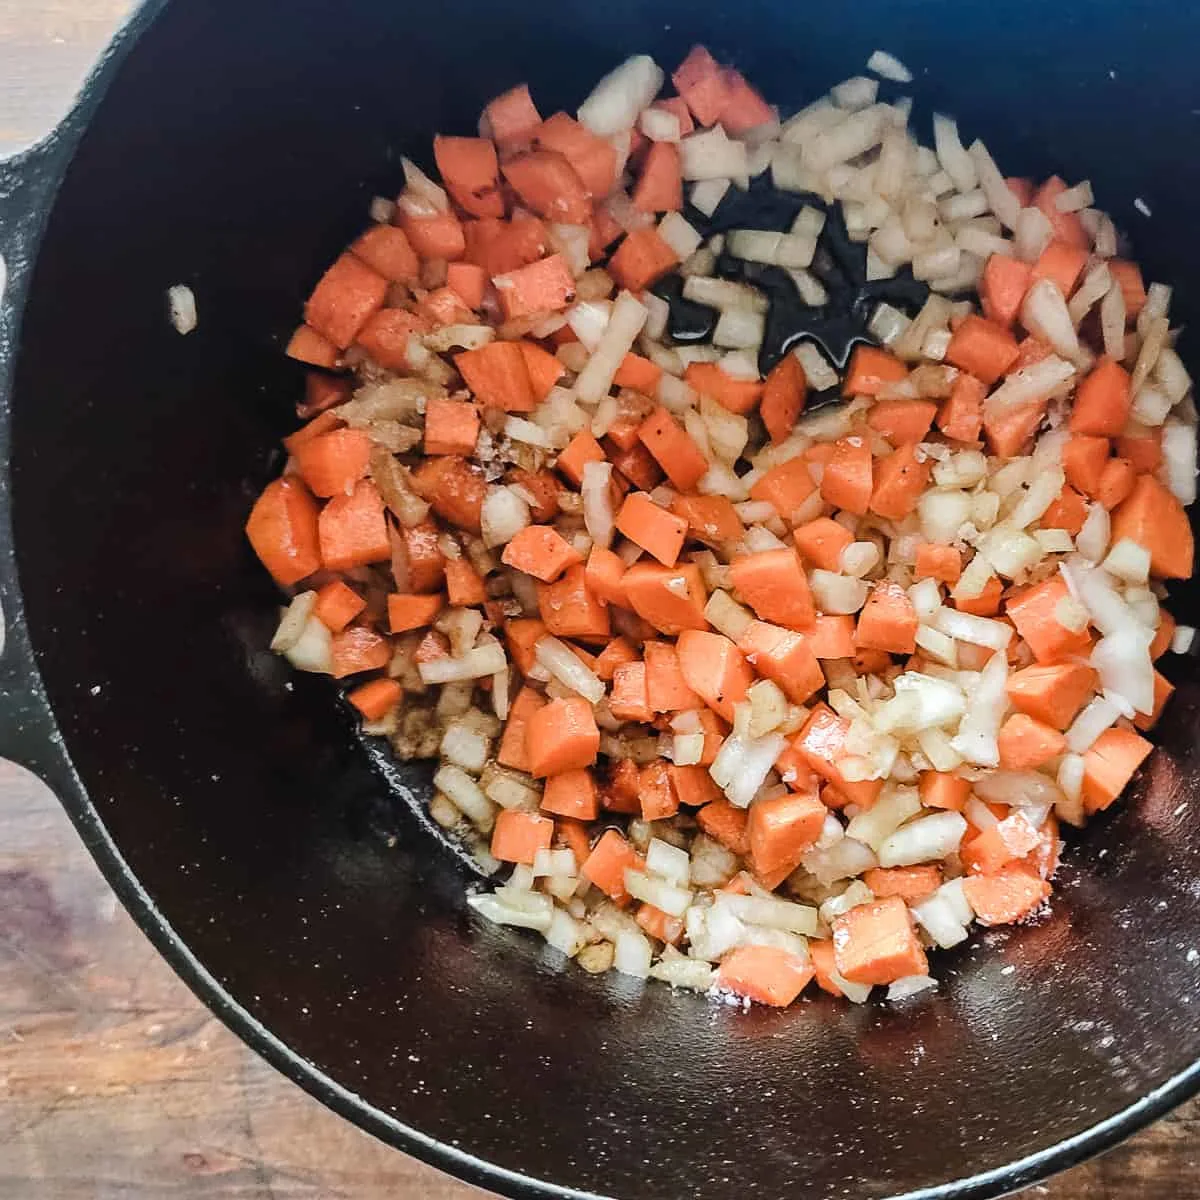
(930, 214)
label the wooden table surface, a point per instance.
(115, 1083)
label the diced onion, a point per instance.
(958, 164)
(1179, 460)
(887, 66)
(565, 666)
(928, 839)
(475, 664)
(673, 900)
(625, 323)
(620, 96)
(598, 515)
(712, 155)
(742, 765)
(1097, 716)
(632, 954)
(976, 737)
(893, 807)
(181, 307)
(967, 627)
(668, 862)
(838, 594)
(503, 515)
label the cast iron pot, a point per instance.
(233, 145)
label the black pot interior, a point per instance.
(235, 150)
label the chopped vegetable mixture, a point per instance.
(765, 523)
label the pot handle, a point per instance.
(29, 734)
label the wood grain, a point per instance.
(115, 1082)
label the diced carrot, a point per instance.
(1067, 511)
(820, 745)
(1144, 449)
(619, 793)
(986, 604)
(736, 395)
(431, 647)
(902, 421)
(543, 491)
(593, 158)
(570, 609)
(1051, 694)
(638, 373)
(538, 287)
(1027, 744)
(573, 835)
(513, 750)
(1163, 690)
(358, 649)
(888, 620)
(572, 794)
(1030, 350)
(1067, 227)
(943, 789)
(703, 85)
(660, 533)
(386, 336)
(540, 551)
(726, 824)
(411, 611)
(660, 183)
(1002, 288)
(744, 109)
(671, 599)
(321, 393)
(386, 250)
(561, 736)
(832, 636)
(983, 348)
(497, 375)
(900, 478)
(628, 700)
(785, 487)
(1117, 481)
(1109, 765)
(783, 397)
(501, 246)
(673, 448)
(581, 450)
(871, 662)
(308, 346)
(1034, 612)
(468, 282)
(961, 414)
(1083, 459)
(876, 943)
(714, 669)
(548, 184)
(656, 791)
(909, 883)
(711, 519)
(451, 426)
(694, 785)
(1102, 400)
(353, 529)
(334, 462)
(870, 370)
(464, 587)
(337, 605)
(434, 236)
(822, 541)
(471, 173)
(321, 424)
(677, 107)
(666, 689)
(282, 529)
(346, 295)
(641, 259)
(1155, 519)
(1163, 635)
(782, 829)
(518, 836)
(511, 118)
(604, 575)
(658, 924)
(454, 487)
(820, 953)
(848, 477)
(942, 563)
(605, 867)
(773, 584)
(1129, 279)
(376, 698)
(618, 651)
(637, 465)
(444, 306)
(784, 657)
(1005, 897)
(765, 974)
(1062, 264)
